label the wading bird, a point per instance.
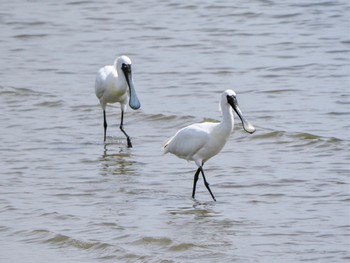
(113, 84)
(201, 141)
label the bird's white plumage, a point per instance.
(201, 141)
(111, 85)
(198, 142)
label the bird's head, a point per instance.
(229, 97)
(122, 60)
(123, 63)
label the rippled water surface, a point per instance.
(282, 193)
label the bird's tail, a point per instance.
(165, 146)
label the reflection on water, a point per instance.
(116, 160)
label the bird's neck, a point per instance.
(120, 79)
(227, 122)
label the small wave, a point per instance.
(27, 36)
(65, 72)
(292, 15)
(268, 135)
(162, 241)
(99, 19)
(35, 23)
(71, 242)
(166, 118)
(315, 4)
(17, 91)
(182, 247)
(299, 139)
(279, 91)
(47, 237)
(246, 14)
(308, 136)
(339, 113)
(50, 104)
(78, 2)
(46, 69)
(161, 117)
(292, 67)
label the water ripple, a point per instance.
(283, 191)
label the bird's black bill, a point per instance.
(134, 102)
(247, 126)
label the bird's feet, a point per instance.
(207, 186)
(129, 142)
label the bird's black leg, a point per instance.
(121, 128)
(206, 183)
(195, 179)
(104, 124)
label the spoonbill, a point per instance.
(201, 141)
(113, 84)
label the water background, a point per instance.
(282, 193)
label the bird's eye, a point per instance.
(126, 66)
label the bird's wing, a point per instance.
(101, 81)
(187, 141)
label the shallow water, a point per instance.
(282, 193)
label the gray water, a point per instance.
(282, 193)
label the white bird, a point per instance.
(113, 84)
(201, 141)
